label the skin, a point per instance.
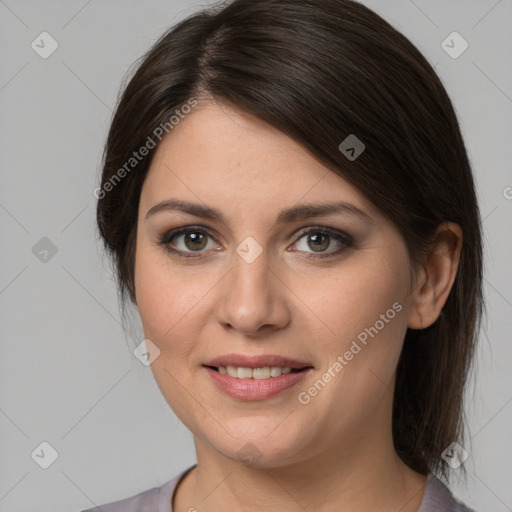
(338, 446)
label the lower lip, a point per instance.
(255, 389)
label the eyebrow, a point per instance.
(295, 213)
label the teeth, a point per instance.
(256, 373)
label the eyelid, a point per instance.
(334, 233)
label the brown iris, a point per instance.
(320, 241)
(195, 241)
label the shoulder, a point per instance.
(438, 498)
(157, 499)
(146, 501)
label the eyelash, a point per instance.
(344, 238)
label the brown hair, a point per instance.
(319, 71)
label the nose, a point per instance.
(253, 298)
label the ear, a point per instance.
(436, 277)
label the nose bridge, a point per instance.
(251, 296)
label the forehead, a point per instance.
(222, 156)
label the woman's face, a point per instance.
(253, 285)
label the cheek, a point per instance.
(157, 307)
(168, 304)
(358, 296)
(169, 301)
(362, 319)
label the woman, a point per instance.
(288, 201)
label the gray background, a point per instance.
(68, 376)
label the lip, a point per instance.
(254, 361)
(255, 389)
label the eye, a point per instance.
(184, 242)
(321, 238)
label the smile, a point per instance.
(255, 383)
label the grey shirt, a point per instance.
(437, 498)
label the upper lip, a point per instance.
(253, 361)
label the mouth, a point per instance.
(265, 372)
(256, 382)
(255, 377)
(263, 366)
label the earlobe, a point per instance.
(437, 276)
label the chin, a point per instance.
(261, 454)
